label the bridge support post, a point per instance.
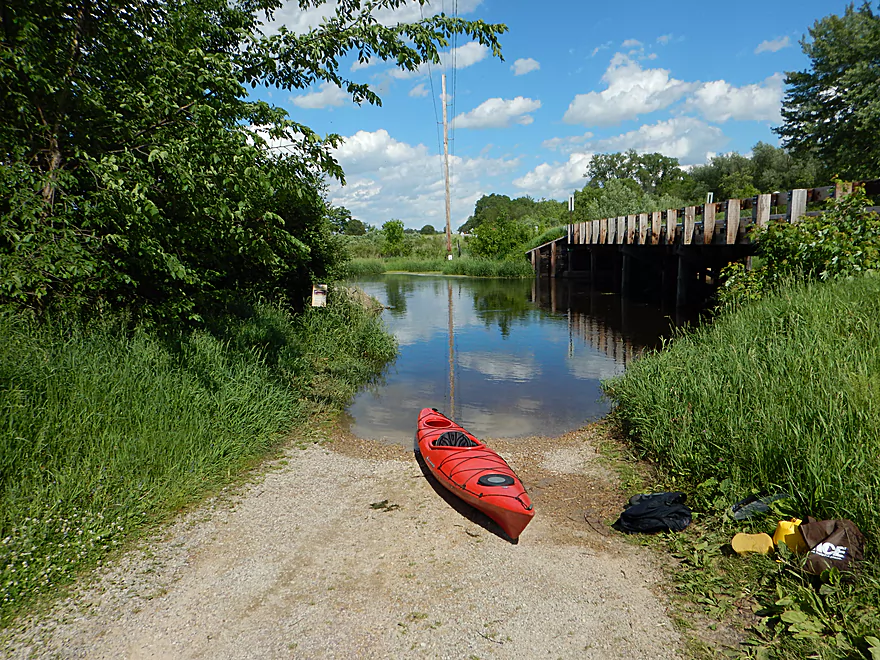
(626, 275)
(683, 283)
(553, 259)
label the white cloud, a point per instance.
(566, 144)
(302, 20)
(498, 113)
(328, 95)
(685, 138)
(555, 180)
(387, 178)
(719, 101)
(459, 58)
(600, 47)
(631, 43)
(664, 39)
(772, 45)
(358, 65)
(419, 90)
(631, 91)
(523, 66)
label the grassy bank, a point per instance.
(104, 431)
(782, 394)
(470, 266)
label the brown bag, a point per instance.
(837, 543)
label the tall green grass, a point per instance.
(471, 266)
(103, 430)
(781, 394)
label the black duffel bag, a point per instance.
(657, 512)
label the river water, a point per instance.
(504, 358)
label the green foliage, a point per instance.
(89, 454)
(832, 110)
(427, 230)
(535, 214)
(354, 227)
(618, 197)
(393, 244)
(782, 394)
(842, 241)
(654, 173)
(137, 173)
(551, 234)
(472, 267)
(498, 238)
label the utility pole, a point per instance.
(446, 167)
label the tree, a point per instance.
(427, 230)
(136, 172)
(355, 227)
(498, 238)
(832, 110)
(652, 172)
(393, 235)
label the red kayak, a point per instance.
(473, 472)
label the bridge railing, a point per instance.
(703, 225)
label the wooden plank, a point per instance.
(842, 188)
(603, 231)
(798, 205)
(732, 221)
(671, 221)
(761, 212)
(553, 261)
(643, 228)
(621, 229)
(656, 220)
(630, 229)
(594, 238)
(708, 223)
(690, 216)
(574, 234)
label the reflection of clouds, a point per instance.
(427, 309)
(500, 366)
(593, 366)
(507, 424)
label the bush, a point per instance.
(843, 241)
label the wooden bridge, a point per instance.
(677, 253)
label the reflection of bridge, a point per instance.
(678, 253)
(617, 327)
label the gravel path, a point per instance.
(299, 565)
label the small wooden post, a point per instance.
(708, 223)
(798, 205)
(671, 222)
(656, 220)
(534, 266)
(643, 228)
(553, 259)
(690, 213)
(603, 230)
(621, 228)
(733, 207)
(594, 236)
(761, 212)
(630, 229)
(574, 233)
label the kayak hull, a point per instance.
(474, 473)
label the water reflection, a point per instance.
(505, 358)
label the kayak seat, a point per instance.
(454, 439)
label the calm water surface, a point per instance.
(504, 358)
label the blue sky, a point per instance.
(687, 79)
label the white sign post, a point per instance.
(319, 295)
